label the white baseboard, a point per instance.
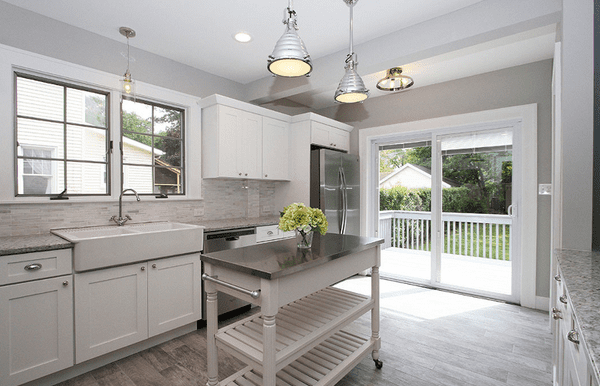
(542, 303)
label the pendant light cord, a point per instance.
(127, 53)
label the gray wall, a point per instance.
(529, 83)
(35, 33)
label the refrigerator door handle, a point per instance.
(344, 202)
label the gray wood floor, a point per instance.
(429, 338)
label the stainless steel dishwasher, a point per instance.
(219, 241)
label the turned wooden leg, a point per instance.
(211, 330)
(269, 342)
(375, 315)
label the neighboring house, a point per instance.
(412, 177)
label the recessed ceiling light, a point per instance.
(242, 37)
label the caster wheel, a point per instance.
(378, 364)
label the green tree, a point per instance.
(133, 124)
(170, 142)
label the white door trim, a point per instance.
(527, 114)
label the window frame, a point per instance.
(18, 157)
(152, 135)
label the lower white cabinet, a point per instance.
(174, 287)
(36, 329)
(120, 306)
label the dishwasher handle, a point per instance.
(232, 238)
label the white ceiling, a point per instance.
(199, 33)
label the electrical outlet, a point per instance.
(199, 212)
(267, 209)
(545, 189)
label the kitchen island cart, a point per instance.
(300, 337)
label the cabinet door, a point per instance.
(339, 139)
(229, 122)
(275, 146)
(111, 310)
(36, 329)
(319, 134)
(249, 145)
(174, 293)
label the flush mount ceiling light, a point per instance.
(242, 37)
(395, 81)
(289, 58)
(127, 84)
(351, 88)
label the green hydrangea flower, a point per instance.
(304, 218)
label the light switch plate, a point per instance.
(545, 189)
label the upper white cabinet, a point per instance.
(329, 136)
(36, 316)
(231, 142)
(240, 140)
(275, 157)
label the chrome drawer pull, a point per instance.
(563, 299)
(573, 336)
(557, 277)
(33, 267)
(252, 294)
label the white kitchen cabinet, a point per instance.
(329, 136)
(232, 143)
(275, 147)
(111, 310)
(120, 306)
(36, 329)
(174, 288)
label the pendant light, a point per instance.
(395, 81)
(127, 84)
(290, 58)
(351, 88)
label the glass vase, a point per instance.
(304, 239)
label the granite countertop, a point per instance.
(11, 245)
(281, 258)
(581, 275)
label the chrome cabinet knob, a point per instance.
(65, 283)
(573, 336)
(557, 277)
(563, 299)
(153, 265)
(246, 174)
(240, 174)
(143, 268)
(266, 175)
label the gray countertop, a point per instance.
(280, 258)
(581, 276)
(12, 245)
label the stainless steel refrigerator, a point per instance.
(334, 188)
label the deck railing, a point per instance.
(480, 235)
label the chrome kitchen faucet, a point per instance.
(122, 220)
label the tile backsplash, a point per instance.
(222, 199)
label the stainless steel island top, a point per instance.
(281, 258)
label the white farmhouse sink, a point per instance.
(107, 246)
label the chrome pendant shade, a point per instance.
(290, 58)
(395, 81)
(127, 84)
(351, 88)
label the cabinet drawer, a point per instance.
(35, 265)
(267, 233)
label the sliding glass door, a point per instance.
(476, 192)
(445, 210)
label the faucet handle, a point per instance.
(128, 217)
